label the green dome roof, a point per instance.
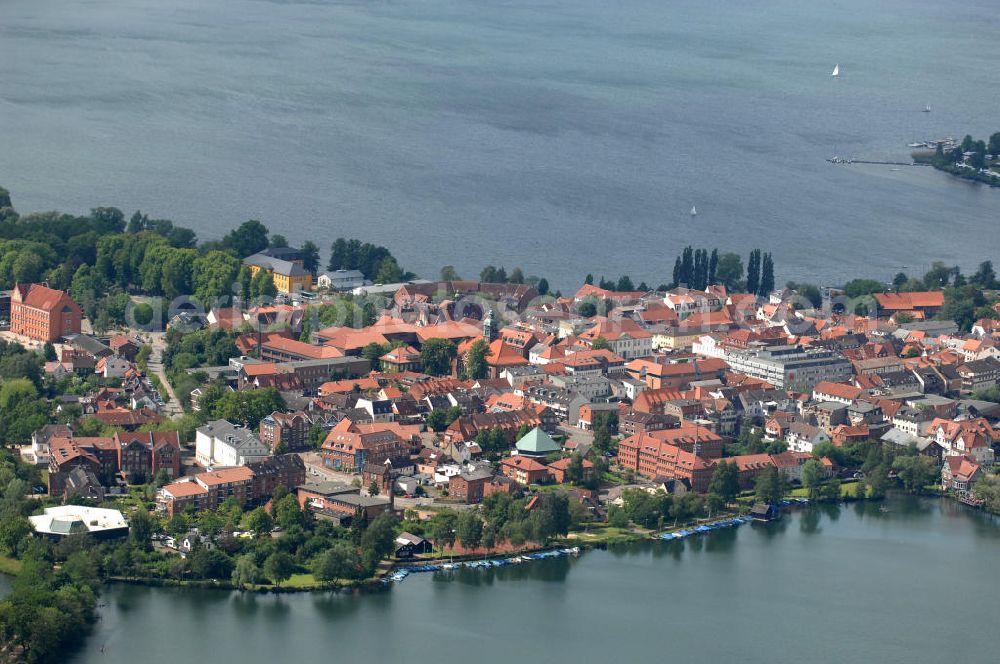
(537, 441)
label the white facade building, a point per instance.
(222, 443)
(342, 280)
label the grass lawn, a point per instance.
(611, 477)
(9, 565)
(597, 534)
(847, 490)
(551, 488)
(301, 581)
(309, 582)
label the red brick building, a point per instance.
(340, 501)
(469, 487)
(96, 455)
(466, 427)
(558, 469)
(255, 482)
(206, 491)
(289, 429)
(136, 455)
(285, 470)
(349, 446)
(145, 454)
(634, 422)
(652, 457)
(42, 313)
(687, 436)
(227, 483)
(748, 466)
(524, 470)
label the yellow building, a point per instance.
(288, 275)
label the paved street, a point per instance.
(155, 366)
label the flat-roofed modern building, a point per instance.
(65, 520)
(791, 367)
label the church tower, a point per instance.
(489, 327)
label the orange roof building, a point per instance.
(927, 302)
(42, 313)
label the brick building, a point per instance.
(469, 487)
(206, 491)
(633, 422)
(558, 469)
(94, 455)
(145, 454)
(466, 427)
(290, 430)
(138, 456)
(42, 313)
(349, 445)
(340, 501)
(285, 470)
(652, 457)
(524, 470)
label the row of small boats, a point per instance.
(721, 525)
(706, 528)
(403, 572)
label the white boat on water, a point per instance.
(836, 71)
(694, 211)
(927, 109)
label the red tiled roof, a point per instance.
(263, 369)
(909, 301)
(347, 385)
(449, 330)
(42, 297)
(225, 476)
(184, 489)
(302, 348)
(839, 390)
(563, 464)
(503, 354)
(523, 463)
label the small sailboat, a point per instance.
(927, 109)
(836, 71)
(694, 211)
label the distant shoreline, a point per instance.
(964, 173)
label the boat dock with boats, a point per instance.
(848, 161)
(946, 144)
(726, 523)
(402, 572)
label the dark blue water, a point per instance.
(848, 584)
(564, 136)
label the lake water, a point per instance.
(838, 584)
(567, 136)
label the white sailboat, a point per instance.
(927, 109)
(694, 211)
(836, 71)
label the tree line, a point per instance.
(498, 275)
(699, 268)
(978, 151)
(966, 299)
(375, 262)
(502, 518)
(101, 257)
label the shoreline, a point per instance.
(927, 158)
(617, 572)
(576, 540)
